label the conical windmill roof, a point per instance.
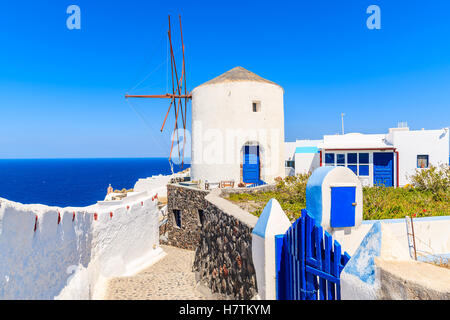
(237, 74)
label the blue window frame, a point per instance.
(422, 161)
(329, 159)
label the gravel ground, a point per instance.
(171, 278)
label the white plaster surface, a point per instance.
(410, 143)
(340, 176)
(223, 121)
(74, 259)
(432, 237)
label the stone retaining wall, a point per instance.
(223, 260)
(222, 240)
(188, 200)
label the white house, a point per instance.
(237, 129)
(383, 159)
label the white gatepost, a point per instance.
(273, 221)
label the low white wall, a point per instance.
(381, 263)
(432, 234)
(156, 184)
(73, 259)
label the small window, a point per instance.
(363, 170)
(201, 216)
(329, 159)
(290, 164)
(352, 158)
(177, 217)
(340, 158)
(354, 168)
(364, 158)
(422, 161)
(256, 106)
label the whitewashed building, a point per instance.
(377, 159)
(237, 129)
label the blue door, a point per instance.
(251, 164)
(383, 169)
(343, 207)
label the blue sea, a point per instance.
(74, 182)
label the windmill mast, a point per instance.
(177, 98)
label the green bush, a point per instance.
(394, 203)
(434, 179)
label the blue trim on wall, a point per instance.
(307, 150)
(314, 193)
(261, 224)
(362, 263)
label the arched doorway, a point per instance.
(251, 160)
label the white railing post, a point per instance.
(273, 221)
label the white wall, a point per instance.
(409, 144)
(289, 150)
(156, 184)
(223, 121)
(73, 259)
(306, 162)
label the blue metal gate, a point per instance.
(250, 167)
(383, 169)
(308, 264)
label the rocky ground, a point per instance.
(171, 278)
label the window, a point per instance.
(354, 168)
(340, 159)
(256, 106)
(352, 162)
(422, 161)
(290, 164)
(201, 217)
(364, 158)
(352, 158)
(329, 159)
(177, 217)
(363, 164)
(363, 170)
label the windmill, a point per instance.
(179, 97)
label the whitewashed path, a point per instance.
(171, 278)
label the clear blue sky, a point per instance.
(62, 91)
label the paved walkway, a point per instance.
(171, 278)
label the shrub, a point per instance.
(434, 179)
